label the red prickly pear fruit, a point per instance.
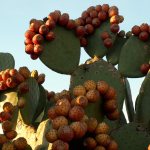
(35, 26)
(11, 134)
(105, 7)
(102, 15)
(91, 124)
(65, 133)
(110, 105)
(143, 36)
(113, 12)
(50, 95)
(93, 96)
(12, 72)
(21, 103)
(93, 14)
(145, 68)
(88, 20)
(41, 78)
(113, 8)
(84, 15)
(71, 24)
(59, 121)
(144, 27)
(51, 24)
(103, 139)
(5, 116)
(59, 144)
(114, 115)
(98, 8)
(83, 42)
(76, 113)
(8, 107)
(80, 31)
(89, 29)
(91, 8)
(79, 90)
(38, 39)
(7, 126)
(19, 78)
(62, 107)
(10, 82)
(3, 139)
(102, 87)
(8, 146)
(51, 136)
(136, 30)
(55, 15)
(112, 145)
(63, 20)
(96, 22)
(50, 36)
(114, 28)
(5, 76)
(29, 49)
(102, 128)
(51, 113)
(79, 22)
(38, 49)
(23, 88)
(2, 86)
(25, 72)
(111, 94)
(20, 143)
(29, 34)
(108, 43)
(90, 143)
(115, 19)
(81, 101)
(43, 29)
(28, 41)
(105, 35)
(34, 56)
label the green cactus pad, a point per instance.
(132, 137)
(113, 53)
(95, 43)
(134, 53)
(6, 61)
(143, 102)
(117, 123)
(41, 102)
(63, 53)
(32, 99)
(100, 70)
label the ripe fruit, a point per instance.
(35, 26)
(89, 85)
(102, 128)
(102, 15)
(96, 22)
(25, 72)
(21, 143)
(93, 96)
(110, 105)
(23, 88)
(114, 115)
(8, 107)
(63, 20)
(79, 129)
(136, 30)
(51, 135)
(105, 35)
(29, 34)
(90, 143)
(144, 27)
(84, 15)
(88, 20)
(59, 121)
(71, 24)
(41, 78)
(7, 126)
(76, 113)
(103, 139)
(91, 124)
(105, 7)
(144, 68)
(80, 101)
(93, 14)
(52, 113)
(8, 146)
(55, 15)
(3, 139)
(29, 49)
(60, 145)
(51, 24)
(89, 29)
(100, 148)
(98, 8)
(21, 103)
(111, 93)
(2, 86)
(10, 82)
(5, 76)
(34, 56)
(112, 145)
(38, 39)
(80, 31)
(113, 12)
(114, 28)
(65, 133)
(83, 42)
(11, 134)
(79, 90)
(38, 49)
(50, 36)
(5, 116)
(143, 36)
(44, 29)
(115, 19)
(108, 43)
(79, 22)
(62, 107)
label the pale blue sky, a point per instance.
(15, 16)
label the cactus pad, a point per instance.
(95, 43)
(6, 61)
(114, 52)
(132, 136)
(65, 47)
(134, 53)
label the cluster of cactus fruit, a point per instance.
(89, 115)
